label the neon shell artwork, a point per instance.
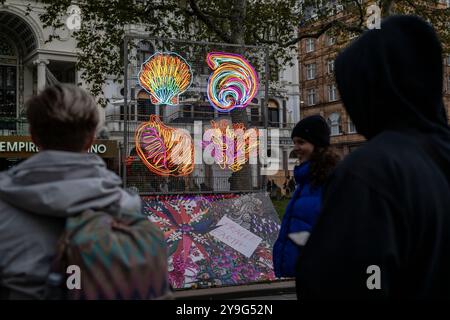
(166, 151)
(165, 76)
(233, 83)
(231, 145)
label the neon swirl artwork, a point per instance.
(230, 146)
(234, 82)
(166, 151)
(165, 76)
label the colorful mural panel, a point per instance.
(216, 240)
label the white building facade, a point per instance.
(29, 62)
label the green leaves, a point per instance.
(278, 24)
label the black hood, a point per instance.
(392, 79)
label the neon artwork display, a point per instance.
(166, 151)
(233, 83)
(165, 76)
(230, 146)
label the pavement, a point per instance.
(277, 290)
(286, 296)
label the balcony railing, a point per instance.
(13, 126)
(146, 182)
(188, 117)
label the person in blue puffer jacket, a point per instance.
(311, 138)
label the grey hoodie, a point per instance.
(35, 198)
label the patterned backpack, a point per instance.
(118, 257)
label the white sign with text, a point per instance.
(236, 236)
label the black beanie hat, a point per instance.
(313, 129)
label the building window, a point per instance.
(8, 94)
(311, 97)
(274, 114)
(144, 106)
(330, 66)
(310, 71)
(310, 45)
(6, 49)
(254, 116)
(145, 51)
(144, 109)
(332, 92)
(131, 112)
(331, 40)
(274, 119)
(351, 127)
(334, 123)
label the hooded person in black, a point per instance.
(384, 231)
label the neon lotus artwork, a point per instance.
(230, 146)
(166, 151)
(233, 83)
(165, 76)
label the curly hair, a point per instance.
(322, 163)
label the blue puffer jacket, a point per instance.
(301, 214)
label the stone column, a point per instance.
(41, 76)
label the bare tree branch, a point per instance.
(359, 28)
(361, 13)
(322, 30)
(218, 15)
(208, 21)
(152, 7)
(412, 4)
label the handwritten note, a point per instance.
(236, 236)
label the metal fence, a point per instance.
(193, 106)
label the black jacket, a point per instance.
(388, 203)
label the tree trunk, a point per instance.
(240, 180)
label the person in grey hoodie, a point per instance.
(62, 180)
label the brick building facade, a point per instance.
(319, 94)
